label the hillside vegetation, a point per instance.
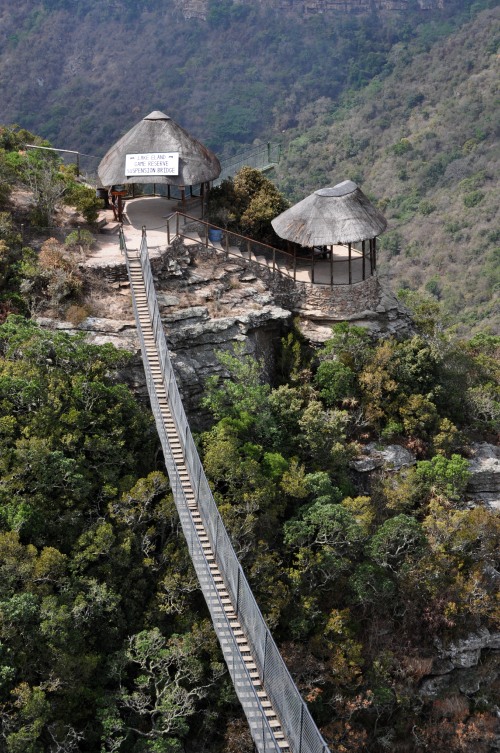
(423, 142)
(105, 642)
(369, 585)
(403, 102)
(81, 74)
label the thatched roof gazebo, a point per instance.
(332, 218)
(158, 151)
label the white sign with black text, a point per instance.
(156, 163)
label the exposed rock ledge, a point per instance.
(208, 302)
(193, 339)
(200, 8)
(464, 666)
(393, 457)
(484, 484)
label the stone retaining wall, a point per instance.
(312, 300)
(367, 303)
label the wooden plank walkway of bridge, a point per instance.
(230, 630)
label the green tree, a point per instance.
(247, 204)
(24, 719)
(335, 382)
(168, 684)
(326, 539)
(444, 476)
(42, 176)
(397, 540)
(76, 432)
(80, 195)
(349, 344)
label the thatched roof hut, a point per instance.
(341, 214)
(157, 134)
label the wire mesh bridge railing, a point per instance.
(262, 157)
(278, 717)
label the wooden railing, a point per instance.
(356, 266)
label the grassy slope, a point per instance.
(423, 142)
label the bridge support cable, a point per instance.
(278, 718)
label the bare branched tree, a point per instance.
(44, 180)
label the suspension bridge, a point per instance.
(263, 157)
(278, 717)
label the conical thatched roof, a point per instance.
(155, 134)
(341, 214)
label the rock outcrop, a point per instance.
(464, 666)
(200, 8)
(206, 305)
(209, 302)
(392, 458)
(368, 303)
(484, 483)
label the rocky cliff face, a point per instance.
(484, 484)
(208, 303)
(199, 8)
(464, 667)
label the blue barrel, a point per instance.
(214, 234)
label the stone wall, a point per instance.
(340, 301)
(369, 303)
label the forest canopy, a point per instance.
(104, 639)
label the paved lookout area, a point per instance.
(153, 212)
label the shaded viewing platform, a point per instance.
(158, 178)
(334, 265)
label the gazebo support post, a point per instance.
(375, 254)
(120, 209)
(183, 196)
(371, 256)
(294, 264)
(312, 275)
(202, 196)
(331, 266)
(363, 249)
(349, 246)
(168, 190)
